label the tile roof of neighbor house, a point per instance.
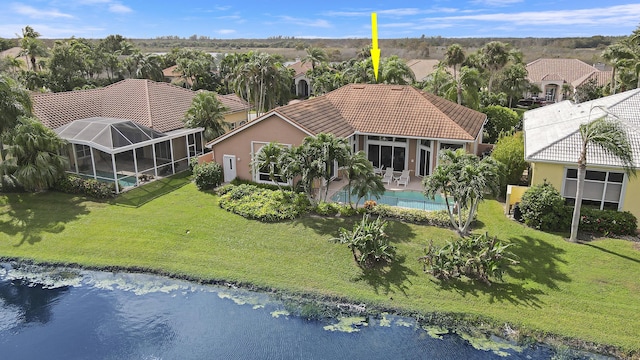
(422, 67)
(572, 71)
(300, 68)
(171, 72)
(552, 132)
(157, 105)
(398, 110)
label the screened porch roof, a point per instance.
(115, 135)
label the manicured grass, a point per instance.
(584, 291)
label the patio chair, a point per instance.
(377, 170)
(404, 178)
(388, 175)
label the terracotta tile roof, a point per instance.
(602, 78)
(568, 70)
(386, 110)
(552, 132)
(234, 103)
(423, 67)
(300, 67)
(157, 105)
(171, 72)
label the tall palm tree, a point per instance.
(494, 55)
(32, 47)
(208, 112)
(515, 81)
(454, 57)
(315, 56)
(396, 71)
(331, 150)
(14, 103)
(438, 81)
(611, 136)
(369, 184)
(34, 157)
(358, 166)
(614, 54)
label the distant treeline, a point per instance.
(402, 43)
(411, 44)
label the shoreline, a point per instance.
(330, 307)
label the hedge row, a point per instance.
(252, 202)
(74, 184)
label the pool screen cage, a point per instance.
(126, 153)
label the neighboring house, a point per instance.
(553, 143)
(552, 74)
(171, 75)
(397, 126)
(301, 82)
(422, 68)
(131, 128)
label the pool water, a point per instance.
(124, 180)
(401, 198)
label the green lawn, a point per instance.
(584, 291)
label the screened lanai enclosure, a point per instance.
(126, 153)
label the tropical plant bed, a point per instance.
(583, 293)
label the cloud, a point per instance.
(305, 22)
(399, 12)
(119, 8)
(225, 31)
(613, 15)
(34, 13)
(53, 32)
(496, 2)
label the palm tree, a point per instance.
(360, 72)
(208, 112)
(495, 56)
(438, 81)
(611, 136)
(515, 81)
(315, 56)
(331, 150)
(149, 67)
(14, 102)
(470, 83)
(32, 47)
(268, 157)
(357, 166)
(614, 54)
(396, 71)
(369, 184)
(466, 179)
(454, 57)
(33, 155)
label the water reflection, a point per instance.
(99, 315)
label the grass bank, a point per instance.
(582, 291)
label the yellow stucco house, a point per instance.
(553, 143)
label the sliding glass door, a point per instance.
(387, 151)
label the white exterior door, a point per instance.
(229, 167)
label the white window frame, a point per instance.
(393, 144)
(430, 149)
(604, 189)
(255, 171)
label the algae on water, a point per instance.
(348, 324)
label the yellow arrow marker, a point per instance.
(375, 51)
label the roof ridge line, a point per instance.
(422, 93)
(148, 101)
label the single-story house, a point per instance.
(398, 127)
(553, 143)
(131, 130)
(301, 82)
(422, 68)
(551, 74)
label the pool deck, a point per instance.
(415, 184)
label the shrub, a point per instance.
(510, 151)
(73, 184)
(499, 119)
(438, 218)
(266, 205)
(368, 242)
(607, 222)
(542, 207)
(478, 257)
(327, 208)
(207, 175)
(238, 181)
(9, 183)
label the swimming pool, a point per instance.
(124, 180)
(401, 198)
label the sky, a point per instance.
(319, 19)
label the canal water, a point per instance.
(60, 313)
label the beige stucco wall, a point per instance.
(235, 117)
(270, 129)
